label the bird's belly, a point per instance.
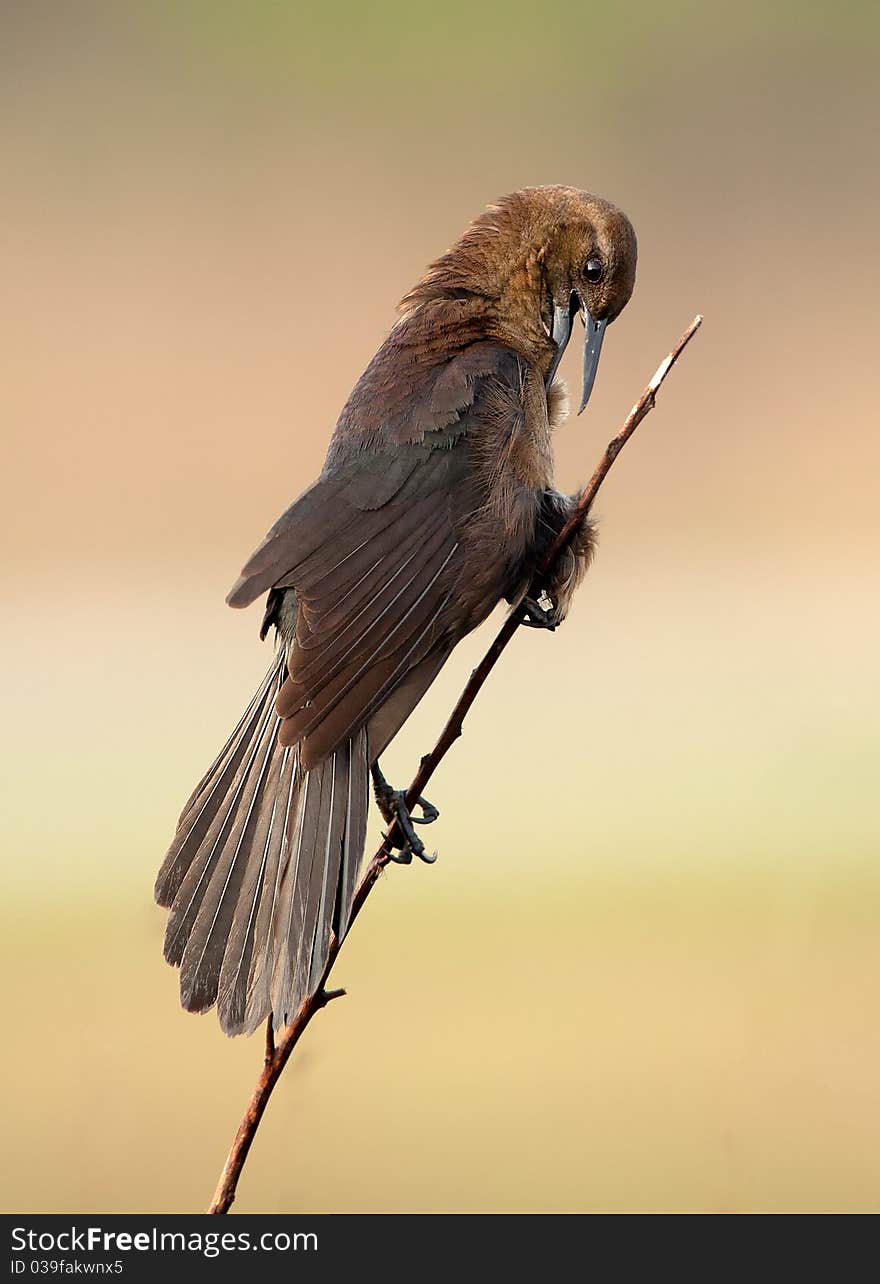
(498, 555)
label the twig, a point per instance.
(278, 1054)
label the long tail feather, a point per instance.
(262, 870)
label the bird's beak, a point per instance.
(594, 333)
(561, 333)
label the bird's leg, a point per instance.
(392, 805)
(547, 608)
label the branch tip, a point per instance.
(327, 996)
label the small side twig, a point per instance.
(278, 1053)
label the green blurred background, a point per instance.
(644, 972)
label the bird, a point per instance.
(435, 503)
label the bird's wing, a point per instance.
(372, 551)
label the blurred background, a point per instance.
(644, 972)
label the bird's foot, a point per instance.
(541, 616)
(392, 805)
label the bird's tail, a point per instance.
(262, 869)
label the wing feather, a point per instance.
(373, 553)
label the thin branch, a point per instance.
(278, 1053)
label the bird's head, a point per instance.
(537, 259)
(589, 262)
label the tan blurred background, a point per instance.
(644, 972)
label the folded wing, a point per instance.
(373, 552)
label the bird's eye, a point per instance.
(593, 269)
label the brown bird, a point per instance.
(435, 502)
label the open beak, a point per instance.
(561, 333)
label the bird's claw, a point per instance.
(540, 617)
(392, 805)
(411, 845)
(429, 813)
